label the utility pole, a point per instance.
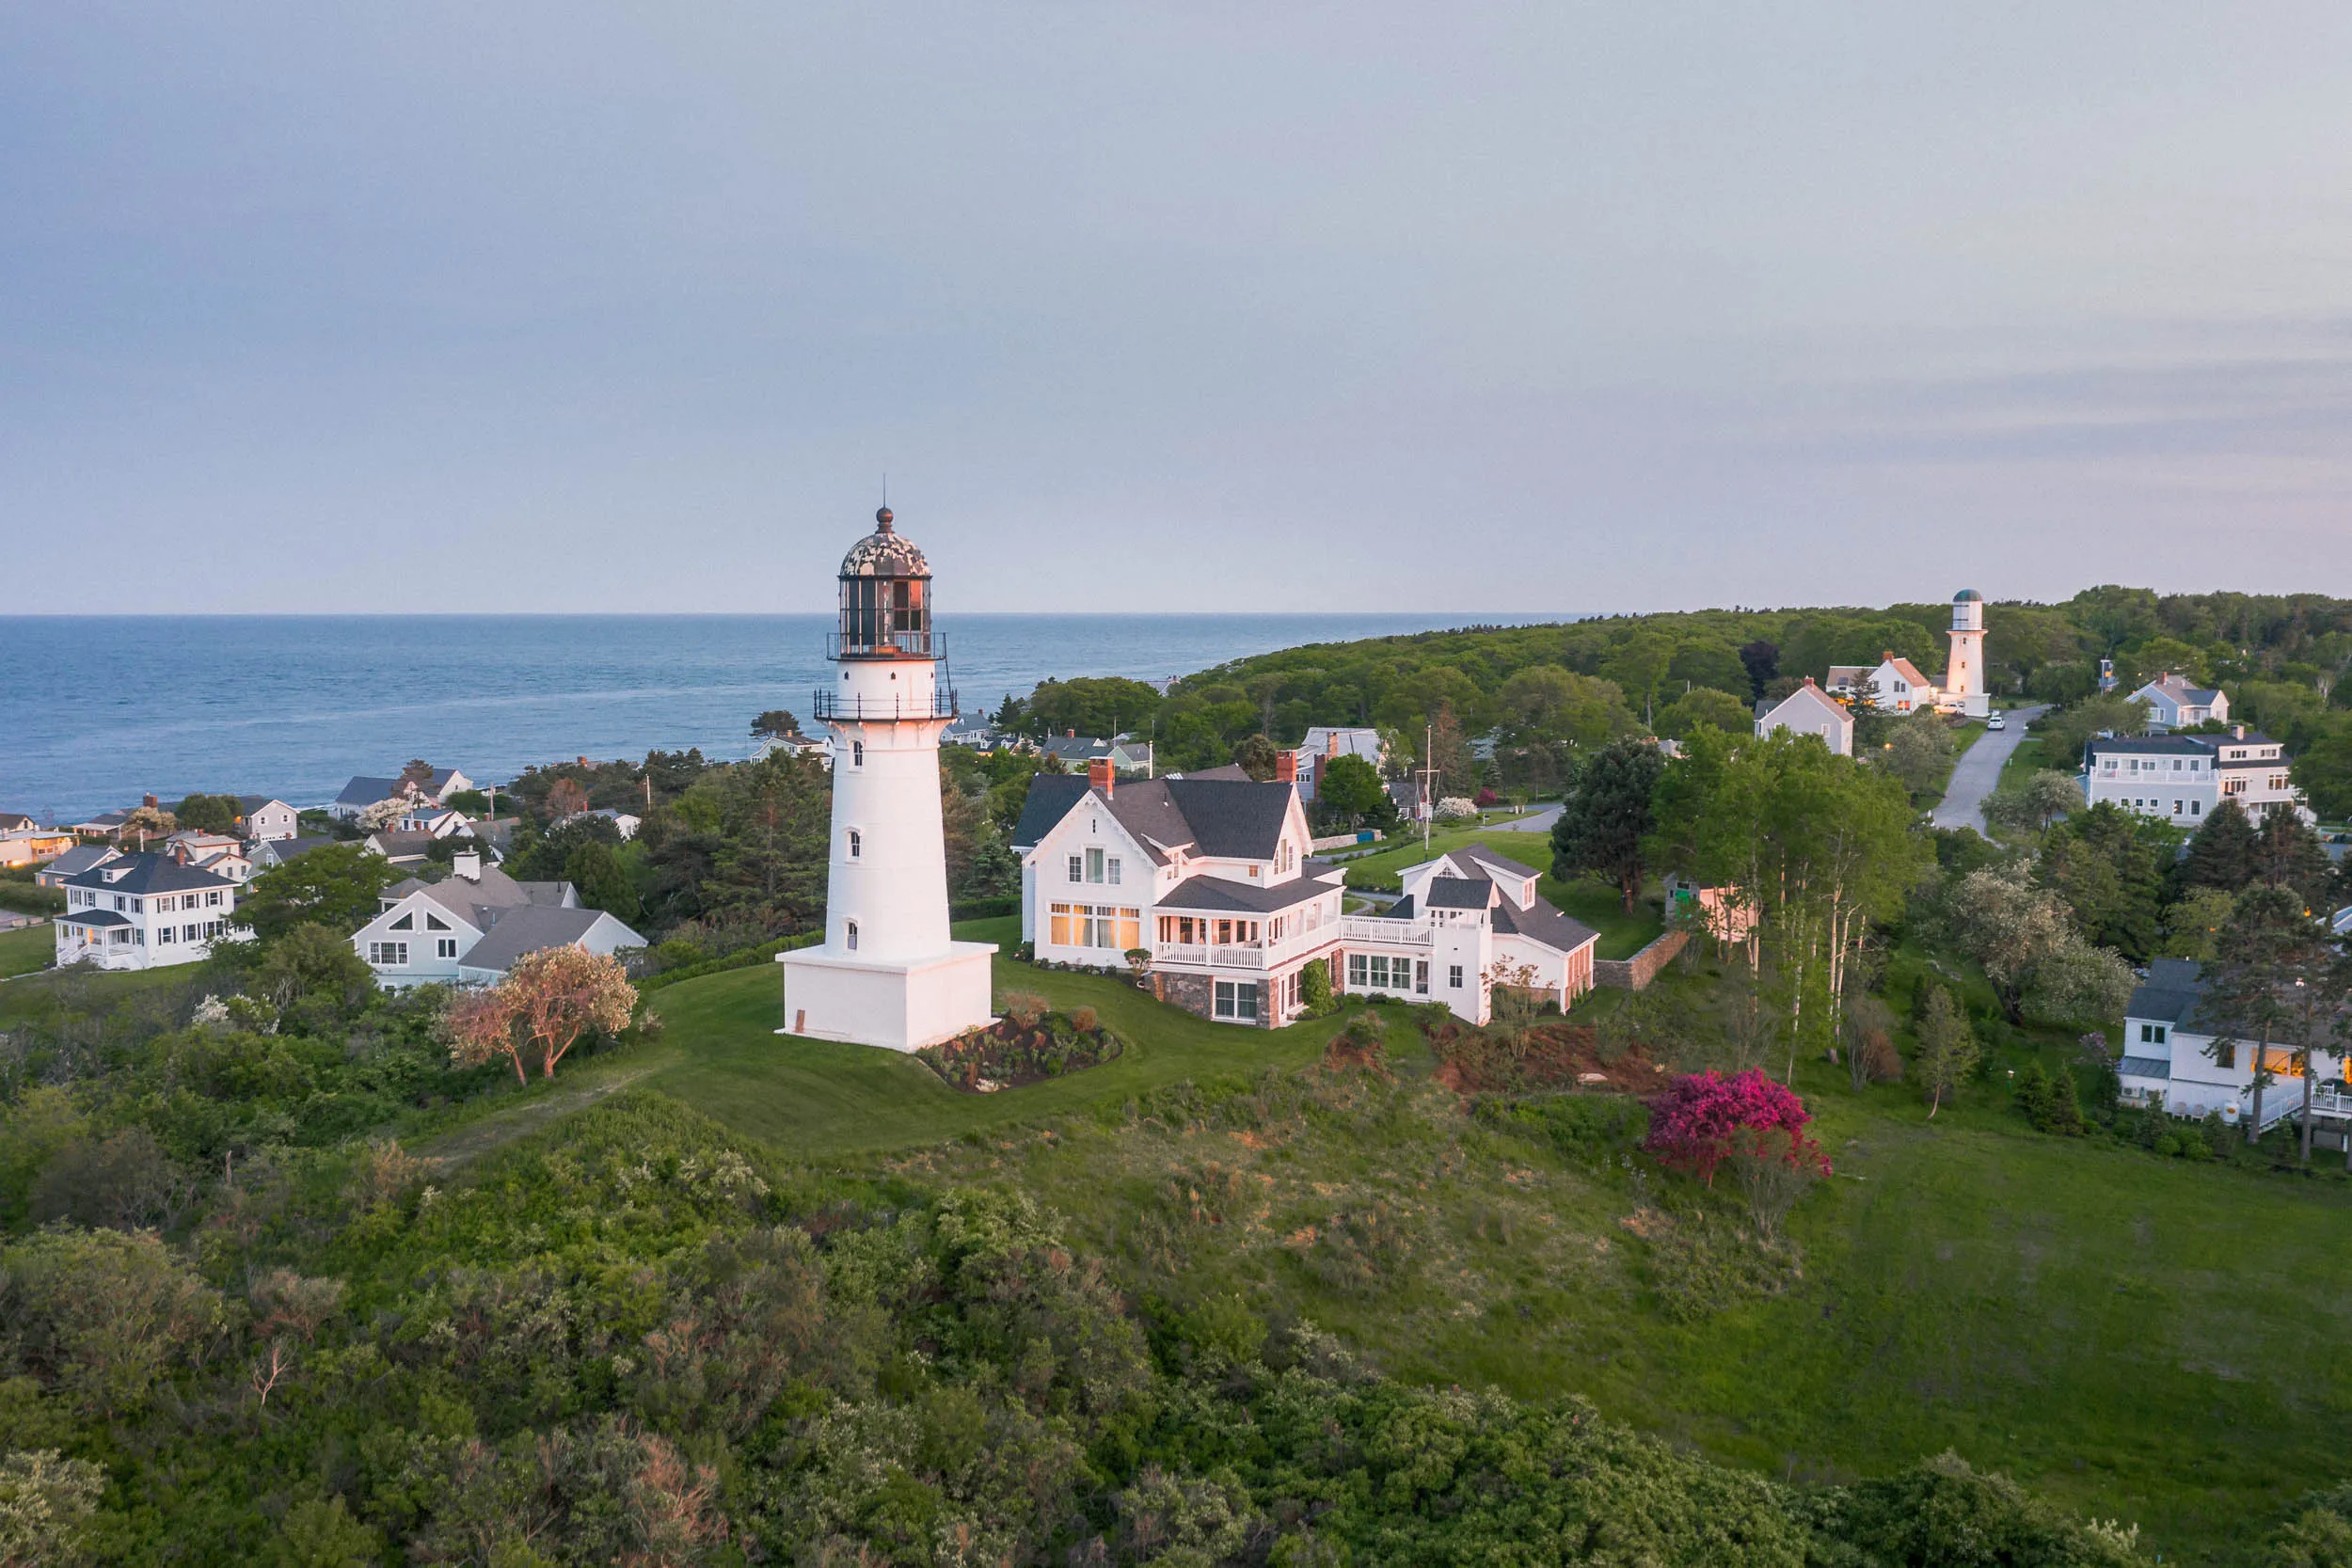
(1428, 784)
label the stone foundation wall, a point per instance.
(1636, 972)
(1194, 993)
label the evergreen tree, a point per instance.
(1601, 827)
(596, 874)
(2287, 854)
(2032, 1092)
(2106, 863)
(2270, 944)
(2222, 853)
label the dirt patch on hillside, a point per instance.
(1543, 1056)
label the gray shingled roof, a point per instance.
(1237, 818)
(1485, 856)
(1540, 922)
(148, 872)
(364, 791)
(1458, 893)
(529, 929)
(2170, 993)
(1050, 796)
(1221, 894)
(79, 859)
(92, 917)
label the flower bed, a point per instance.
(1024, 1046)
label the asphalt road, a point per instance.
(1980, 770)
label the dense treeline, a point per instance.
(1552, 688)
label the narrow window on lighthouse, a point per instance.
(857, 753)
(849, 934)
(856, 843)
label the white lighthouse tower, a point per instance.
(887, 973)
(1963, 676)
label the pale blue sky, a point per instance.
(1457, 308)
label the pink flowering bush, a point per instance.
(1706, 1119)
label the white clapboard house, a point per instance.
(469, 928)
(145, 910)
(1208, 878)
(2180, 1054)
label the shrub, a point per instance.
(1084, 1021)
(1361, 1251)
(1314, 989)
(1703, 1118)
(1024, 1008)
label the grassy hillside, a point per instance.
(2140, 1337)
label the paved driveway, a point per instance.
(1536, 821)
(1980, 770)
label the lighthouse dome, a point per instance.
(884, 553)
(1967, 595)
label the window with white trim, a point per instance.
(1453, 976)
(433, 921)
(1077, 869)
(387, 954)
(445, 947)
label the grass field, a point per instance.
(2142, 1337)
(24, 951)
(2022, 763)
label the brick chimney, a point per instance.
(1287, 768)
(1100, 774)
(1070, 735)
(148, 800)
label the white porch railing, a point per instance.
(1394, 933)
(1240, 955)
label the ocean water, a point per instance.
(97, 710)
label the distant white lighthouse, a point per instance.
(887, 973)
(1964, 676)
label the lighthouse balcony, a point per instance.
(830, 706)
(873, 641)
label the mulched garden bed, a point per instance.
(1543, 1057)
(1010, 1052)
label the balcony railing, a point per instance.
(1241, 955)
(1395, 933)
(926, 643)
(830, 706)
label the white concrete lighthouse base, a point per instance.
(899, 1006)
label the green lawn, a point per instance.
(821, 1098)
(21, 952)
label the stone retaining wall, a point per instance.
(1636, 972)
